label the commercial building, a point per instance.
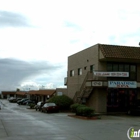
(105, 77)
(38, 95)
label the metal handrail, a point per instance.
(79, 93)
(83, 84)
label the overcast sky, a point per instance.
(37, 36)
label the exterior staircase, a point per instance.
(85, 90)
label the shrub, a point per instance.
(32, 105)
(63, 101)
(73, 107)
(84, 111)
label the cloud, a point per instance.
(11, 19)
(14, 72)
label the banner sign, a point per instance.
(97, 83)
(122, 84)
(112, 74)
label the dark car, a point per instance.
(39, 105)
(28, 102)
(50, 107)
(135, 108)
(18, 99)
(20, 102)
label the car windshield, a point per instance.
(49, 104)
(23, 99)
(39, 103)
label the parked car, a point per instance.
(28, 102)
(20, 102)
(134, 109)
(18, 99)
(50, 107)
(10, 98)
(39, 105)
(13, 100)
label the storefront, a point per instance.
(120, 99)
(120, 94)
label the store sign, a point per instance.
(112, 74)
(97, 83)
(122, 84)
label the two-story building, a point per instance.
(105, 77)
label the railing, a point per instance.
(89, 76)
(75, 96)
(79, 93)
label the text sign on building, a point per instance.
(122, 84)
(112, 74)
(97, 83)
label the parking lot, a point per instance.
(19, 123)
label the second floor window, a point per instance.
(122, 67)
(91, 68)
(71, 73)
(79, 71)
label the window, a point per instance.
(85, 67)
(79, 71)
(91, 68)
(71, 73)
(132, 68)
(132, 72)
(115, 67)
(121, 68)
(126, 67)
(109, 67)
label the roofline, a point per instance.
(84, 49)
(99, 44)
(118, 45)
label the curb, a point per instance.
(86, 118)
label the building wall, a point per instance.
(138, 72)
(102, 67)
(82, 59)
(102, 97)
(7, 94)
(98, 100)
(93, 100)
(61, 90)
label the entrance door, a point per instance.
(119, 100)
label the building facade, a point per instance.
(105, 77)
(37, 95)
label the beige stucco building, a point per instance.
(104, 77)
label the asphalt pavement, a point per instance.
(19, 123)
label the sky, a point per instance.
(37, 36)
